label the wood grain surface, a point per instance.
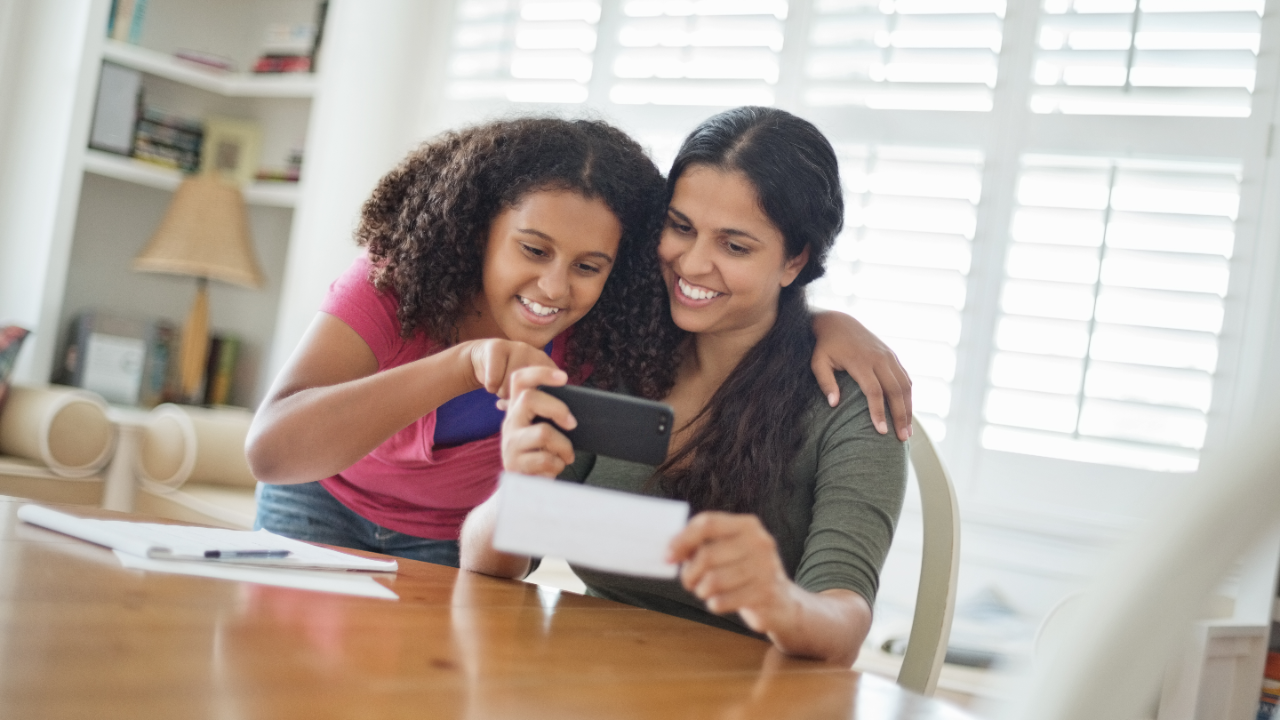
(83, 637)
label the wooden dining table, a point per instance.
(81, 636)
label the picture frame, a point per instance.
(231, 149)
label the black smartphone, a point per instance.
(617, 425)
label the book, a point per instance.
(220, 370)
(201, 544)
(11, 338)
(157, 373)
(115, 113)
(168, 140)
(125, 21)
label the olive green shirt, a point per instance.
(835, 528)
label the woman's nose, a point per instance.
(697, 258)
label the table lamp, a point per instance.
(204, 234)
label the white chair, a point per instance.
(1115, 645)
(939, 566)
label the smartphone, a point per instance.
(617, 425)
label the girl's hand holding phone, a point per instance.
(536, 448)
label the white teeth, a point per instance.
(537, 308)
(696, 293)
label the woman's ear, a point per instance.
(792, 267)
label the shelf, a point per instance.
(142, 173)
(230, 84)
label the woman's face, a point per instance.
(545, 265)
(723, 259)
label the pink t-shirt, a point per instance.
(406, 484)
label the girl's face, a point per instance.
(723, 259)
(545, 265)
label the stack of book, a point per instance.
(134, 362)
(168, 140)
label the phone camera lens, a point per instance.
(662, 426)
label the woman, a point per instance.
(794, 501)
(484, 248)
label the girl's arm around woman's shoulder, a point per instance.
(845, 344)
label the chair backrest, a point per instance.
(939, 566)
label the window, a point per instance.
(901, 263)
(1061, 293)
(1157, 57)
(904, 54)
(1113, 301)
(523, 50)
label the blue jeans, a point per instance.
(307, 511)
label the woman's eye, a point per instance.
(533, 251)
(737, 249)
(679, 227)
(588, 269)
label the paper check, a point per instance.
(593, 527)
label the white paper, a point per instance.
(593, 527)
(181, 542)
(316, 580)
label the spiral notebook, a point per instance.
(259, 548)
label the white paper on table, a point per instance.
(593, 527)
(183, 542)
(344, 583)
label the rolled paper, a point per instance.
(182, 443)
(65, 428)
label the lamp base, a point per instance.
(194, 351)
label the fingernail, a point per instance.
(882, 427)
(832, 399)
(561, 375)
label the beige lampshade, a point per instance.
(205, 233)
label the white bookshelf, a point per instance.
(227, 84)
(270, 194)
(114, 203)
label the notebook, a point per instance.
(214, 545)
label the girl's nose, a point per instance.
(554, 283)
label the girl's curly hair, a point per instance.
(428, 220)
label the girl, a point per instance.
(483, 249)
(795, 501)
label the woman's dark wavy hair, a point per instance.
(739, 457)
(428, 220)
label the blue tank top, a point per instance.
(470, 416)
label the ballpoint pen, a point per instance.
(227, 554)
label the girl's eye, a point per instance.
(533, 251)
(588, 269)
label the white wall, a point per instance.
(368, 110)
(48, 70)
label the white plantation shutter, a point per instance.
(912, 54)
(1092, 323)
(1154, 57)
(1111, 310)
(702, 52)
(523, 50)
(900, 264)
